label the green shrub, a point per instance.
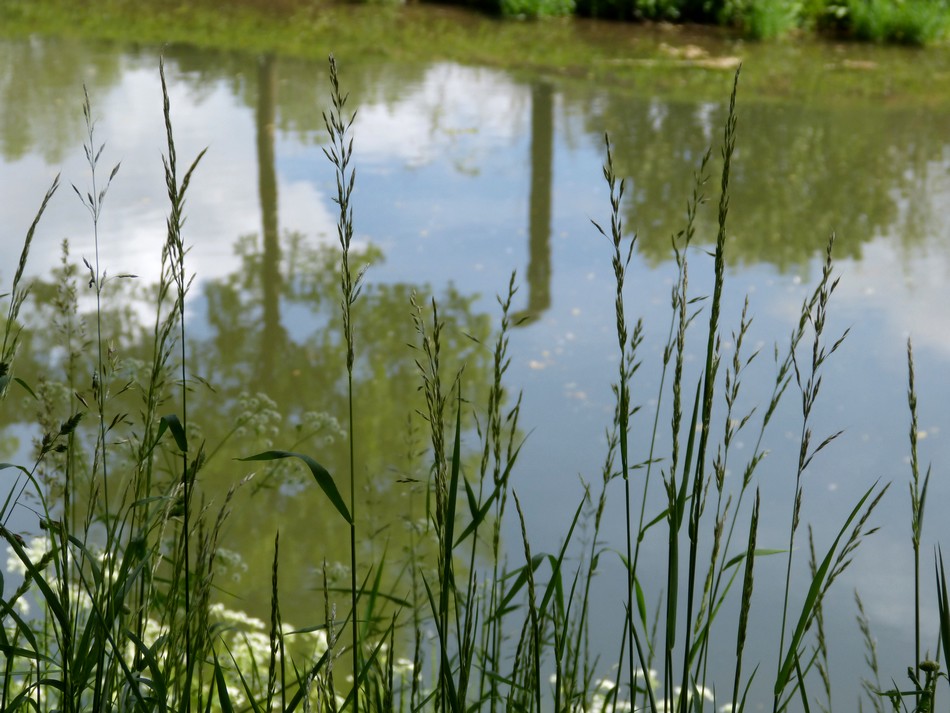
(767, 19)
(911, 22)
(514, 8)
(536, 8)
(761, 19)
(672, 10)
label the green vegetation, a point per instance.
(675, 61)
(913, 22)
(117, 606)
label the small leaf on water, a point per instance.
(320, 474)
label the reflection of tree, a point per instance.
(272, 333)
(308, 376)
(799, 173)
(539, 210)
(857, 172)
(41, 81)
(305, 389)
(297, 112)
(41, 92)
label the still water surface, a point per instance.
(464, 174)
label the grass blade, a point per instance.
(814, 591)
(320, 474)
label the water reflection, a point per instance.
(796, 166)
(273, 333)
(41, 116)
(801, 172)
(539, 202)
(465, 173)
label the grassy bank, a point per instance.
(115, 607)
(914, 22)
(685, 60)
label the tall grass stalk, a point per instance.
(872, 688)
(154, 393)
(93, 201)
(918, 499)
(176, 249)
(444, 483)
(697, 501)
(620, 262)
(500, 450)
(11, 339)
(18, 294)
(814, 312)
(340, 154)
(579, 672)
(535, 638)
(820, 655)
(745, 607)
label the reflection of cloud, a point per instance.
(909, 306)
(452, 107)
(454, 111)
(892, 605)
(901, 291)
(304, 209)
(223, 200)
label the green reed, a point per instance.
(620, 263)
(340, 154)
(925, 673)
(918, 499)
(145, 558)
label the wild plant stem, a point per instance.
(918, 499)
(814, 311)
(620, 264)
(93, 203)
(340, 153)
(176, 248)
(354, 628)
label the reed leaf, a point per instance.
(943, 603)
(320, 474)
(814, 592)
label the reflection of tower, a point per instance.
(272, 333)
(539, 215)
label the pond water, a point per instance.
(464, 174)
